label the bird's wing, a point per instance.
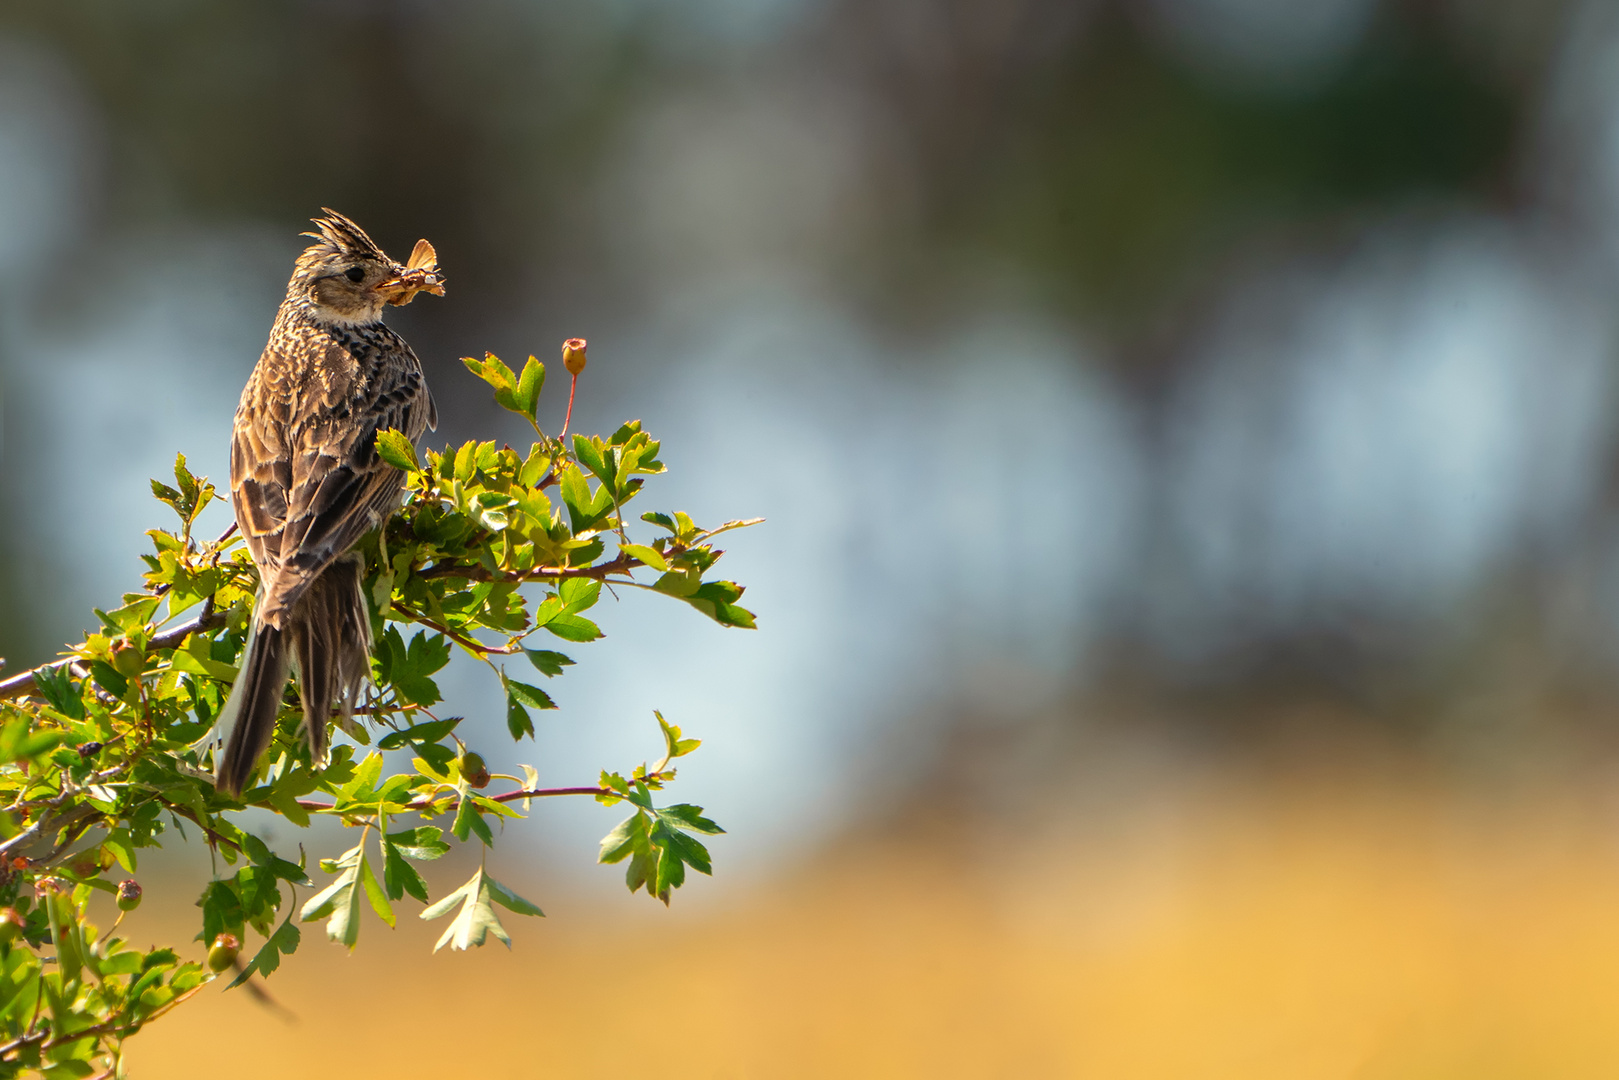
(306, 497)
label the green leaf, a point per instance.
(437, 756)
(529, 385)
(573, 628)
(407, 669)
(468, 820)
(669, 874)
(548, 663)
(118, 843)
(366, 774)
(509, 900)
(195, 656)
(688, 848)
(69, 945)
(397, 450)
(579, 594)
(499, 377)
(108, 679)
(518, 722)
(714, 599)
(20, 747)
(476, 919)
(492, 510)
(374, 893)
(576, 495)
(286, 804)
(429, 732)
(284, 942)
(192, 497)
(585, 510)
(531, 696)
(421, 842)
(629, 836)
(56, 684)
(399, 876)
(686, 816)
(589, 453)
(340, 900)
(648, 555)
(674, 745)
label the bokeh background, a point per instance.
(1189, 606)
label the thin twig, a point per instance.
(510, 796)
(24, 681)
(191, 815)
(623, 564)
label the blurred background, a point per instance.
(1189, 605)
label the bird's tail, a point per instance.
(332, 646)
(254, 704)
(327, 635)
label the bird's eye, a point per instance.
(355, 274)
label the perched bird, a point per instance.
(307, 483)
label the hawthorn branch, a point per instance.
(425, 803)
(21, 1041)
(623, 564)
(25, 681)
(471, 644)
(191, 815)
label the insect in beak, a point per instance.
(421, 274)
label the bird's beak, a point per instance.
(420, 274)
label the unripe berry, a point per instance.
(573, 355)
(129, 895)
(11, 925)
(475, 772)
(223, 953)
(127, 659)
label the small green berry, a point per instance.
(129, 895)
(127, 660)
(223, 953)
(474, 770)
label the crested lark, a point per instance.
(307, 484)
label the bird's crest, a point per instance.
(340, 236)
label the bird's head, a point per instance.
(345, 279)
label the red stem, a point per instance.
(510, 796)
(566, 420)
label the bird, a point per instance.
(307, 482)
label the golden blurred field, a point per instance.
(1308, 927)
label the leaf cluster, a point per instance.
(498, 552)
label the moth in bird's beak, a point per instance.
(420, 274)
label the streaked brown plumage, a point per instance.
(307, 484)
